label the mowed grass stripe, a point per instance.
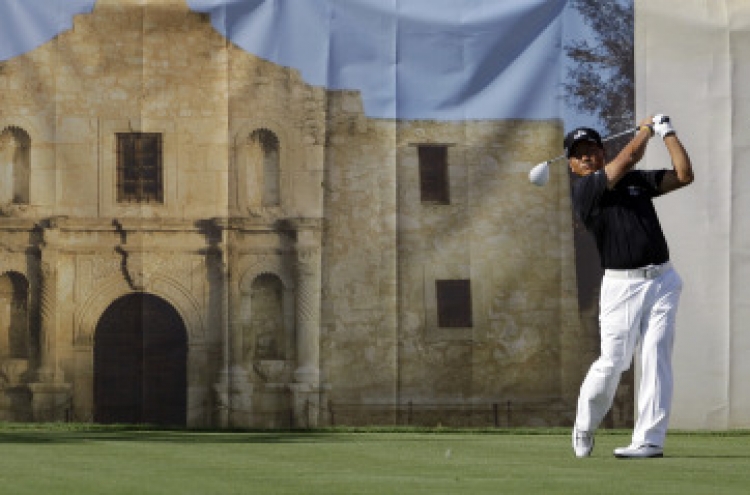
(81, 460)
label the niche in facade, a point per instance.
(19, 349)
(14, 321)
(264, 335)
(264, 174)
(15, 146)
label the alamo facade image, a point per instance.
(193, 236)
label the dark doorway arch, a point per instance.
(140, 363)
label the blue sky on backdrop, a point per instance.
(411, 59)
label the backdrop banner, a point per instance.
(692, 62)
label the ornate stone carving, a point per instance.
(48, 316)
(308, 261)
(270, 370)
(308, 314)
(103, 268)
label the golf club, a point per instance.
(539, 175)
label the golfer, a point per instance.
(640, 289)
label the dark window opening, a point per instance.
(433, 174)
(454, 303)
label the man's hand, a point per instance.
(662, 125)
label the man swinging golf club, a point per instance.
(640, 289)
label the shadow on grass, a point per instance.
(154, 436)
(62, 433)
(145, 433)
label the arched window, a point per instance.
(265, 159)
(15, 146)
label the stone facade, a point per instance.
(289, 239)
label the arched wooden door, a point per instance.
(140, 363)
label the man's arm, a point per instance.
(682, 169)
(630, 155)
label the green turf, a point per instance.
(85, 460)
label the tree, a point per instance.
(602, 81)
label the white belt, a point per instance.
(649, 272)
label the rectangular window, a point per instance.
(139, 167)
(454, 303)
(433, 174)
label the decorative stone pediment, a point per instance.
(172, 287)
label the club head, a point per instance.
(539, 175)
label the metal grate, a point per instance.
(139, 167)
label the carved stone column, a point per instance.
(308, 304)
(233, 389)
(308, 316)
(48, 369)
(50, 395)
(306, 389)
(216, 272)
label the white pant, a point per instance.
(633, 311)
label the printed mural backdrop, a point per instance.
(320, 209)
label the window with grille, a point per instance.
(454, 303)
(433, 174)
(139, 167)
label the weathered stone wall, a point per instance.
(359, 346)
(385, 249)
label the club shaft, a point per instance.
(619, 134)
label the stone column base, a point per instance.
(221, 389)
(307, 375)
(234, 396)
(308, 401)
(51, 402)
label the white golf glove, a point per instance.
(662, 125)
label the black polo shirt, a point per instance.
(623, 220)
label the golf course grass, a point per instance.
(90, 459)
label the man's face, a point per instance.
(586, 158)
